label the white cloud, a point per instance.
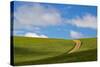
(76, 35)
(28, 16)
(86, 21)
(37, 15)
(35, 35)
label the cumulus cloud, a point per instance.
(36, 15)
(28, 16)
(86, 21)
(76, 35)
(33, 17)
(35, 35)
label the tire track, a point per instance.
(77, 46)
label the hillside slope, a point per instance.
(46, 51)
(32, 49)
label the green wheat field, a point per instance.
(29, 50)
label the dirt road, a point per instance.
(77, 46)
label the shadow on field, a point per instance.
(26, 51)
(90, 55)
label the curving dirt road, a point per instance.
(77, 46)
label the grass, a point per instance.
(29, 51)
(88, 44)
(89, 55)
(32, 49)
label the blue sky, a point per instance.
(48, 20)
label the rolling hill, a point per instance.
(29, 51)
